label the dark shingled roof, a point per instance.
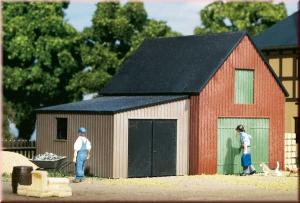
(281, 35)
(175, 65)
(111, 104)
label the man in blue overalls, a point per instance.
(82, 148)
(248, 168)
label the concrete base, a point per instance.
(42, 186)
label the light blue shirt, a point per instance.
(245, 138)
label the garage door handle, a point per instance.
(154, 151)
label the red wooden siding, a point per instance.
(217, 100)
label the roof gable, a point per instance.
(281, 35)
(177, 65)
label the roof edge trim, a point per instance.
(39, 111)
(269, 66)
(244, 33)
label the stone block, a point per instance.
(42, 186)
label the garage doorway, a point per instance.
(228, 152)
(152, 147)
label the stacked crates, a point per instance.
(291, 152)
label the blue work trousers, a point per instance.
(80, 162)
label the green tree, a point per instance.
(120, 28)
(252, 16)
(98, 61)
(152, 29)
(41, 54)
(47, 62)
(117, 30)
(114, 25)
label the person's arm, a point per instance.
(75, 155)
(242, 143)
(88, 154)
(245, 148)
(89, 146)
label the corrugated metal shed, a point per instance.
(109, 133)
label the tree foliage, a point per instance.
(253, 16)
(40, 56)
(152, 29)
(9, 113)
(47, 62)
(114, 24)
(116, 32)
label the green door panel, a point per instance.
(243, 87)
(228, 143)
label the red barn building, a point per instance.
(190, 93)
(221, 100)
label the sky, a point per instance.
(181, 15)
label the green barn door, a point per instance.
(228, 151)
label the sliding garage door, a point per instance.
(152, 148)
(229, 153)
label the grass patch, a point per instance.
(5, 177)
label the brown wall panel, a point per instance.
(99, 132)
(109, 136)
(217, 100)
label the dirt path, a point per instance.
(204, 187)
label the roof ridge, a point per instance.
(182, 57)
(244, 33)
(205, 35)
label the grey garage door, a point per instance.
(152, 148)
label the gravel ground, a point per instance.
(201, 188)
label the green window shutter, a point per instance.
(243, 87)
